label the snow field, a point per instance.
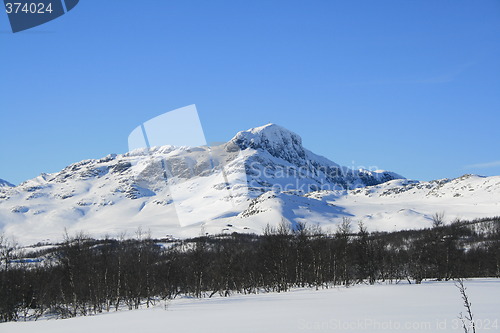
(429, 307)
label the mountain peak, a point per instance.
(270, 131)
(276, 140)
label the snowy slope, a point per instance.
(394, 205)
(263, 175)
(427, 307)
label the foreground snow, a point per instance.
(429, 307)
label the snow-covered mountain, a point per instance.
(261, 176)
(4, 183)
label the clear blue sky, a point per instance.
(408, 86)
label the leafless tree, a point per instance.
(438, 219)
(467, 319)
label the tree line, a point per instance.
(84, 276)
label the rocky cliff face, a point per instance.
(279, 159)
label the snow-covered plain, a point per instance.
(429, 307)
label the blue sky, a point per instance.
(408, 86)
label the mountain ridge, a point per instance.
(4, 183)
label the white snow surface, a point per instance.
(428, 307)
(261, 176)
